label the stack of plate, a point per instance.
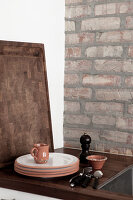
(59, 164)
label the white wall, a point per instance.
(40, 21)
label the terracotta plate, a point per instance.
(46, 175)
(51, 170)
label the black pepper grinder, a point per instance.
(85, 141)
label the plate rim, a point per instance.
(49, 176)
(46, 169)
(49, 167)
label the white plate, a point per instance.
(56, 160)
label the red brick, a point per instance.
(99, 1)
(129, 22)
(73, 1)
(103, 120)
(104, 51)
(77, 11)
(115, 36)
(130, 109)
(78, 65)
(128, 152)
(89, 1)
(117, 136)
(71, 79)
(77, 119)
(129, 81)
(103, 107)
(114, 65)
(125, 7)
(124, 123)
(76, 93)
(105, 9)
(76, 133)
(101, 23)
(130, 51)
(101, 80)
(79, 38)
(114, 94)
(70, 106)
(69, 26)
(73, 52)
(121, 151)
(114, 8)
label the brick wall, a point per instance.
(99, 74)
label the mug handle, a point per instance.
(32, 152)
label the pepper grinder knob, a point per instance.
(85, 141)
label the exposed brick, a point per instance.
(104, 51)
(117, 136)
(76, 133)
(124, 123)
(77, 11)
(114, 150)
(114, 94)
(105, 9)
(114, 8)
(71, 79)
(108, 65)
(103, 120)
(103, 107)
(78, 65)
(89, 1)
(130, 51)
(77, 119)
(79, 38)
(76, 93)
(127, 66)
(72, 1)
(73, 52)
(72, 107)
(130, 109)
(114, 65)
(115, 36)
(101, 80)
(99, 1)
(129, 22)
(128, 152)
(100, 23)
(69, 26)
(129, 81)
(101, 34)
(125, 7)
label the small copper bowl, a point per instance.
(96, 161)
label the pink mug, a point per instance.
(40, 152)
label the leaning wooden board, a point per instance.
(24, 100)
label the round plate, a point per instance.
(51, 170)
(46, 175)
(56, 160)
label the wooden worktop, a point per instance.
(59, 187)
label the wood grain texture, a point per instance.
(24, 101)
(59, 187)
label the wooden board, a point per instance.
(24, 101)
